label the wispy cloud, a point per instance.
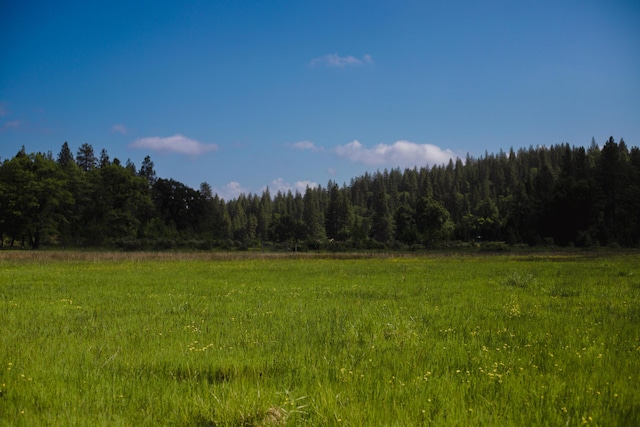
(174, 144)
(284, 187)
(3, 109)
(119, 128)
(336, 61)
(398, 154)
(306, 145)
(14, 124)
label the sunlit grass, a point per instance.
(227, 339)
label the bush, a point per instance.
(494, 247)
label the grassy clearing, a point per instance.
(196, 339)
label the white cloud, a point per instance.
(336, 61)
(234, 189)
(306, 145)
(279, 185)
(119, 128)
(399, 154)
(230, 191)
(301, 186)
(3, 109)
(284, 187)
(174, 144)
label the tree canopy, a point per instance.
(538, 195)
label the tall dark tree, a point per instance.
(65, 157)
(147, 171)
(206, 191)
(382, 226)
(223, 224)
(339, 215)
(85, 158)
(612, 169)
(70, 230)
(264, 216)
(312, 216)
(104, 160)
(239, 220)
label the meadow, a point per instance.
(266, 340)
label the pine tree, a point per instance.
(147, 171)
(312, 216)
(265, 212)
(104, 159)
(382, 227)
(65, 157)
(85, 157)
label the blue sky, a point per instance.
(285, 94)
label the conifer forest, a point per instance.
(546, 195)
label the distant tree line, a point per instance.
(558, 195)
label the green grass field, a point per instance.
(201, 339)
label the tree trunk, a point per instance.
(35, 240)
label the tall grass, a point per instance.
(194, 339)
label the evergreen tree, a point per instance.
(224, 229)
(104, 159)
(382, 227)
(265, 212)
(85, 158)
(65, 157)
(147, 172)
(312, 217)
(339, 214)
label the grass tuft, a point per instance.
(519, 280)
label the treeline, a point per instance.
(562, 195)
